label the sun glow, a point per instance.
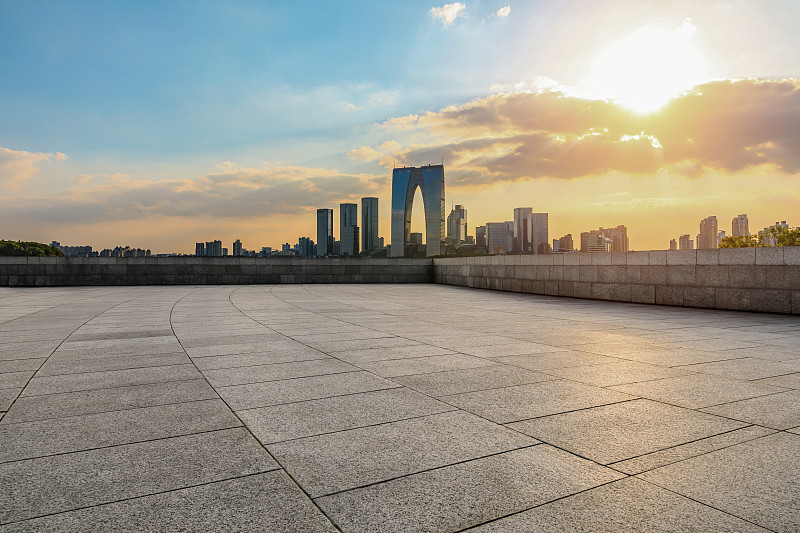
(646, 69)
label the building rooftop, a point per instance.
(391, 408)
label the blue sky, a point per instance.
(99, 97)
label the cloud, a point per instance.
(503, 12)
(229, 191)
(18, 166)
(727, 125)
(448, 13)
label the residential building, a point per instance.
(369, 224)
(348, 229)
(305, 247)
(564, 244)
(457, 225)
(599, 244)
(685, 243)
(673, 245)
(324, 232)
(720, 236)
(740, 226)
(618, 236)
(707, 238)
(199, 249)
(237, 247)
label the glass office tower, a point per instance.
(324, 232)
(348, 229)
(369, 224)
(430, 179)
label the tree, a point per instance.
(30, 249)
(774, 236)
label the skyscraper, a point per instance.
(499, 237)
(540, 231)
(740, 227)
(348, 229)
(237, 247)
(685, 243)
(618, 236)
(673, 245)
(305, 247)
(480, 236)
(457, 225)
(199, 249)
(523, 230)
(324, 232)
(369, 224)
(707, 238)
(430, 179)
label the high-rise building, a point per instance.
(770, 240)
(369, 224)
(381, 244)
(673, 245)
(480, 236)
(213, 248)
(199, 249)
(499, 237)
(237, 247)
(305, 247)
(430, 180)
(599, 244)
(523, 230)
(720, 236)
(348, 229)
(707, 238)
(740, 226)
(457, 225)
(685, 243)
(324, 232)
(540, 232)
(618, 236)
(564, 244)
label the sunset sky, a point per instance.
(157, 125)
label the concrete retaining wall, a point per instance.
(751, 279)
(58, 271)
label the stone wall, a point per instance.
(58, 271)
(752, 279)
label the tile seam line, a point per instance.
(426, 470)
(235, 414)
(119, 445)
(22, 390)
(141, 496)
(110, 388)
(637, 476)
(377, 424)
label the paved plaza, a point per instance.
(391, 408)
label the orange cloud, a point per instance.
(18, 166)
(722, 125)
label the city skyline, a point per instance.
(119, 129)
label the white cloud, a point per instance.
(18, 166)
(448, 13)
(503, 12)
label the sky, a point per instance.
(160, 124)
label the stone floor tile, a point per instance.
(293, 355)
(715, 345)
(360, 344)
(697, 391)
(225, 377)
(563, 359)
(520, 402)
(108, 379)
(465, 494)
(55, 367)
(625, 506)
(256, 503)
(509, 347)
(301, 389)
(19, 365)
(348, 459)
(618, 373)
(612, 433)
(29, 350)
(789, 381)
(42, 407)
(747, 368)
(776, 411)
(424, 365)
(26, 440)
(471, 379)
(397, 352)
(314, 417)
(758, 480)
(58, 483)
(7, 396)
